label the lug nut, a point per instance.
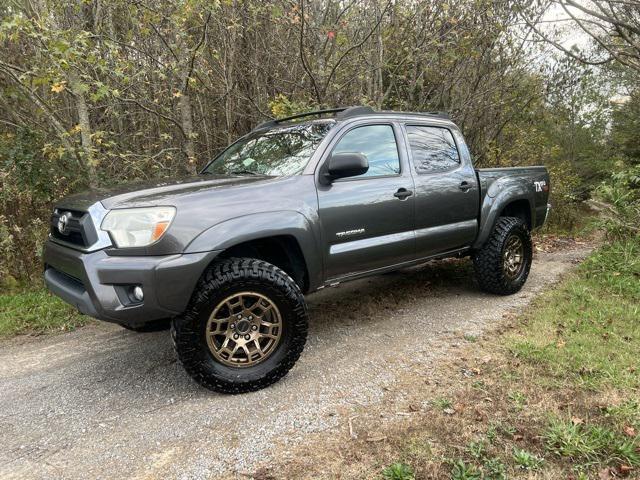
(236, 336)
(247, 336)
(250, 317)
(254, 327)
(239, 316)
(233, 325)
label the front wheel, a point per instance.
(244, 329)
(502, 264)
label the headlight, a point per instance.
(138, 227)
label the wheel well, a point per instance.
(519, 209)
(282, 251)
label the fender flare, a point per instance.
(500, 194)
(256, 226)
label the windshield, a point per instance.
(277, 152)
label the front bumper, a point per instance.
(95, 282)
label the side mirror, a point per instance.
(348, 164)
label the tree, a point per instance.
(613, 25)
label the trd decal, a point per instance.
(541, 186)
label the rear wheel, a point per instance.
(244, 329)
(502, 264)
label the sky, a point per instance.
(571, 34)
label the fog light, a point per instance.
(138, 294)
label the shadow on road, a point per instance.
(113, 359)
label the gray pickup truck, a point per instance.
(296, 205)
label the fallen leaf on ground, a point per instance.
(58, 87)
(625, 469)
(630, 431)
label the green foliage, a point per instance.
(29, 181)
(591, 444)
(442, 403)
(494, 469)
(624, 414)
(566, 213)
(398, 471)
(36, 311)
(477, 449)
(518, 399)
(621, 218)
(282, 106)
(465, 471)
(527, 460)
(625, 138)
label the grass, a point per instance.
(555, 393)
(442, 403)
(36, 312)
(526, 460)
(398, 471)
(591, 444)
(577, 344)
(587, 332)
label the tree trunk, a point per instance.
(84, 123)
(186, 120)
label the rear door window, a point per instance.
(433, 149)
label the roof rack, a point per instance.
(444, 115)
(439, 114)
(343, 113)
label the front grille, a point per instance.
(79, 229)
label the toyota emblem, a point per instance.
(62, 222)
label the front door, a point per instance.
(367, 221)
(446, 189)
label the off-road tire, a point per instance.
(488, 261)
(154, 326)
(225, 278)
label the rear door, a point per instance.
(446, 188)
(367, 221)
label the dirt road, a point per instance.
(103, 402)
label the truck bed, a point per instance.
(526, 183)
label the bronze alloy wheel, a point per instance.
(513, 257)
(502, 264)
(244, 329)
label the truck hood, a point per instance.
(156, 192)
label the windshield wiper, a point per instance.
(244, 172)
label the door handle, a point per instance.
(465, 186)
(403, 193)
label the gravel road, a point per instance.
(103, 402)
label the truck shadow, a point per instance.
(115, 360)
(367, 298)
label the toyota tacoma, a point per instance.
(296, 205)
